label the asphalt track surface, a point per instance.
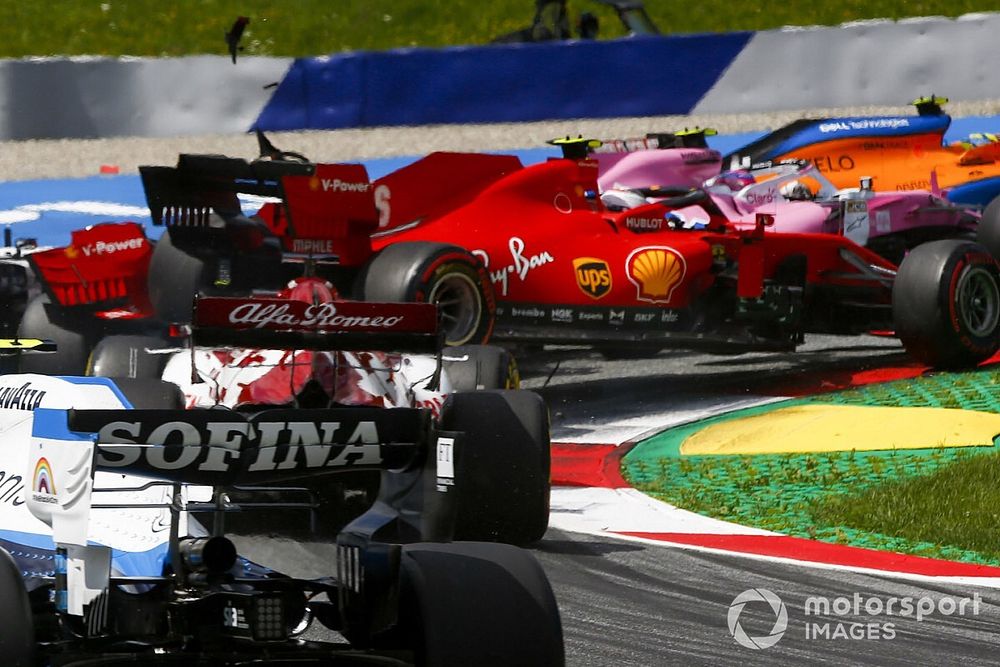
(631, 604)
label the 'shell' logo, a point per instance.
(655, 271)
(593, 276)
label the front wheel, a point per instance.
(437, 273)
(946, 304)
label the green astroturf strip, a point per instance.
(936, 502)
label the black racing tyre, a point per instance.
(988, 233)
(473, 367)
(128, 357)
(478, 604)
(146, 394)
(438, 273)
(946, 304)
(502, 479)
(72, 334)
(17, 631)
(175, 277)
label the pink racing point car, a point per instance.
(633, 173)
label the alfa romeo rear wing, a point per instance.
(266, 322)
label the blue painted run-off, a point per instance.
(48, 210)
(639, 76)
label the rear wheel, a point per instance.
(435, 273)
(17, 631)
(473, 367)
(128, 357)
(478, 604)
(946, 304)
(175, 277)
(72, 334)
(503, 480)
(145, 394)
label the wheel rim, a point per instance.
(457, 298)
(978, 300)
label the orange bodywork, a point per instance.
(900, 163)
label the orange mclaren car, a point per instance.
(897, 152)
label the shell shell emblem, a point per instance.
(656, 272)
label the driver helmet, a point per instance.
(621, 200)
(734, 180)
(796, 191)
(309, 290)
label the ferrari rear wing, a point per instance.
(199, 184)
(265, 322)
(103, 264)
(314, 209)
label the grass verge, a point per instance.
(936, 503)
(314, 27)
(941, 502)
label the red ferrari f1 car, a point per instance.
(563, 267)
(568, 270)
(310, 220)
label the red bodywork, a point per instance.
(104, 266)
(332, 212)
(556, 256)
(559, 261)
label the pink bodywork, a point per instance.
(888, 213)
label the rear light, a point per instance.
(178, 330)
(260, 617)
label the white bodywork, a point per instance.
(48, 487)
(241, 376)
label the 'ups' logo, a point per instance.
(593, 276)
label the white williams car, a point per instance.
(113, 494)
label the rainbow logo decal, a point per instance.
(44, 482)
